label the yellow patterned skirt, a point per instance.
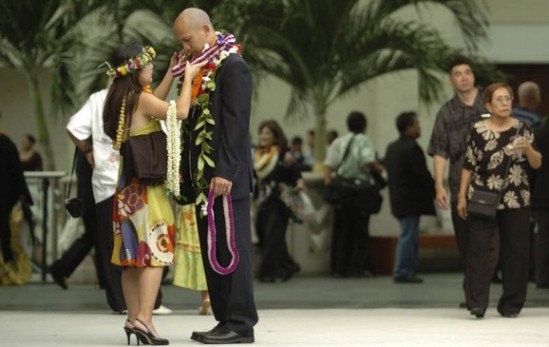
(189, 269)
(144, 228)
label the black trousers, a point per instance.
(232, 295)
(5, 232)
(542, 278)
(351, 254)
(505, 238)
(272, 222)
(461, 232)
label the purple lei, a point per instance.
(229, 230)
(223, 43)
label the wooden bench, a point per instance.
(384, 249)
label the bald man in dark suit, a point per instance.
(229, 104)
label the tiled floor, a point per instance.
(304, 311)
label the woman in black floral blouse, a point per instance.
(494, 142)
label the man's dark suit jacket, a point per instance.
(231, 295)
(230, 106)
(411, 186)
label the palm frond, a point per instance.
(469, 14)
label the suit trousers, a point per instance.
(505, 238)
(231, 295)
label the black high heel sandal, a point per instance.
(129, 331)
(147, 336)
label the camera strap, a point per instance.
(68, 195)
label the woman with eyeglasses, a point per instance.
(499, 150)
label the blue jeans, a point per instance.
(408, 243)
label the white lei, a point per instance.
(266, 164)
(173, 126)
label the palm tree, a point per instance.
(325, 49)
(46, 37)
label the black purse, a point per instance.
(483, 203)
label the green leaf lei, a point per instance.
(204, 122)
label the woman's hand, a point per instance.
(174, 61)
(520, 144)
(462, 207)
(191, 70)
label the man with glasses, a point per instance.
(448, 143)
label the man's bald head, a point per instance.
(194, 17)
(529, 95)
(193, 29)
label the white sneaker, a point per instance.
(162, 311)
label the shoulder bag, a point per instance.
(363, 194)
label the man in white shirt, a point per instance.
(351, 156)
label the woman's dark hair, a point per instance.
(31, 138)
(404, 120)
(357, 122)
(127, 86)
(278, 134)
(489, 91)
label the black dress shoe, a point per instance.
(509, 314)
(223, 336)
(412, 279)
(462, 305)
(267, 279)
(477, 312)
(58, 278)
(198, 335)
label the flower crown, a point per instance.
(132, 64)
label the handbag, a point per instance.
(363, 194)
(484, 203)
(150, 156)
(73, 205)
(146, 157)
